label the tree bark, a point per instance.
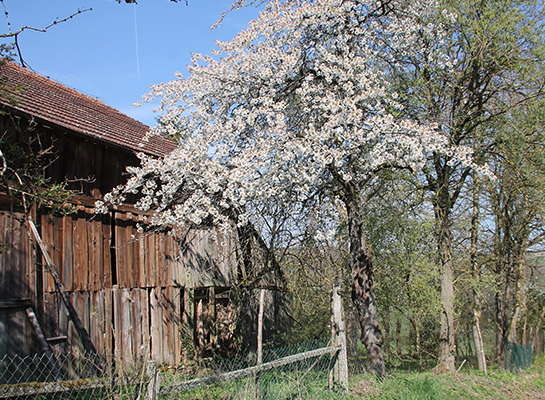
(363, 296)
(478, 340)
(447, 336)
(477, 333)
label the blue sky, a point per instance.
(116, 51)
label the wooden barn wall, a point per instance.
(88, 167)
(129, 291)
(17, 279)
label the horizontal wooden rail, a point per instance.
(15, 303)
(24, 390)
(247, 371)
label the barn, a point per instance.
(135, 297)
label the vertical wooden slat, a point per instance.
(81, 250)
(18, 278)
(58, 241)
(106, 281)
(73, 338)
(3, 333)
(156, 325)
(67, 259)
(153, 275)
(189, 314)
(63, 328)
(4, 255)
(121, 250)
(144, 304)
(127, 244)
(95, 252)
(143, 275)
(166, 325)
(160, 260)
(51, 326)
(109, 345)
(135, 251)
(177, 303)
(49, 241)
(4, 278)
(117, 322)
(97, 320)
(135, 323)
(212, 311)
(85, 308)
(127, 329)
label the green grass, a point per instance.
(497, 385)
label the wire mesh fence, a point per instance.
(296, 371)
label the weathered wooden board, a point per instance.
(156, 321)
(141, 315)
(67, 270)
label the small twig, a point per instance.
(461, 365)
(56, 22)
(15, 35)
(6, 14)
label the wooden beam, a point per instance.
(165, 390)
(44, 345)
(15, 303)
(56, 340)
(72, 314)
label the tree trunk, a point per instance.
(536, 334)
(478, 339)
(477, 333)
(399, 341)
(447, 338)
(352, 332)
(363, 296)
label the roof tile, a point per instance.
(51, 101)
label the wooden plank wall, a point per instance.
(128, 290)
(17, 277)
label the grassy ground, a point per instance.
(497, 385)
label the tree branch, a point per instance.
(15, 35)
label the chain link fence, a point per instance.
(291, 372)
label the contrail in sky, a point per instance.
(136, 43)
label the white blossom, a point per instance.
(303, 91)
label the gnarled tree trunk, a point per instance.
(363, 296)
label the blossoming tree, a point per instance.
(295, 106)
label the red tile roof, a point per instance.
(57, 104)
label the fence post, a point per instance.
(153, 381)
(340, 369)
(259, 342)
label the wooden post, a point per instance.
(259, 341)
(153, 381)
(212, 311)
(340, 369)
(72, 314)
(50, 357)
(189, 319)
(334, 356)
